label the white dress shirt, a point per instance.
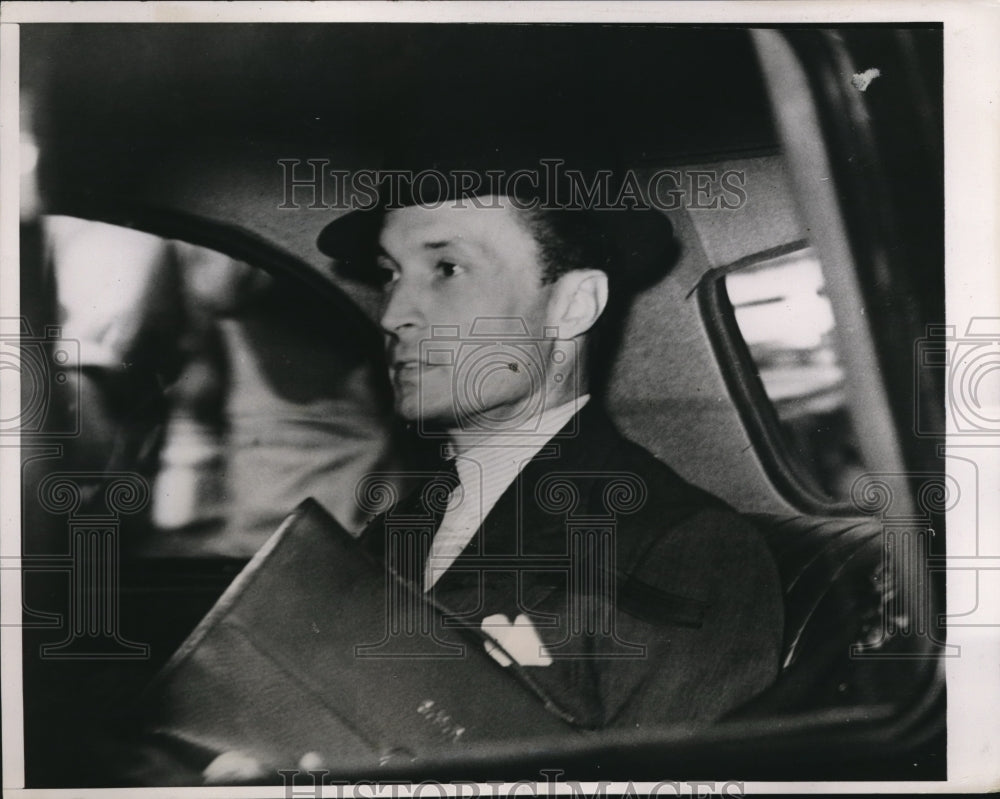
(485, 470)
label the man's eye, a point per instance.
(387, 276)
(449, 269)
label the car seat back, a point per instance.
(842, 601)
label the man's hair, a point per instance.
(570, 239)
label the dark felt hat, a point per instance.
(603, 205)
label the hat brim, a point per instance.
(642, 242)
(352, 241)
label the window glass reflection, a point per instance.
(788, 325)
(235, 394)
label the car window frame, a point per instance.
(747, 392)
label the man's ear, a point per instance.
(578, 299)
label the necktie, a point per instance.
(412, 523)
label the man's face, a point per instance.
(451, 267)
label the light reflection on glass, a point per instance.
(787, 322)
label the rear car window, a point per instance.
(780, 310)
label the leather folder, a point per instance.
(315, 647)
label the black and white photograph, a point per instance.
(499, 400)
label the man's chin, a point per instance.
(412, 411)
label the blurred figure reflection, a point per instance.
(235, 393)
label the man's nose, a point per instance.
(403, 308)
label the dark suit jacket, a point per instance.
(657, 602)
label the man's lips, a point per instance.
(407, 367)
(410, 364)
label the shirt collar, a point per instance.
(550, 422)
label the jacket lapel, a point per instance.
(520, 530)
(515, 565)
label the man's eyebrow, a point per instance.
(434, 246)
(460, 242)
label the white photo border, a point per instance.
(972, 197)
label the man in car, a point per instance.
(662, 604)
